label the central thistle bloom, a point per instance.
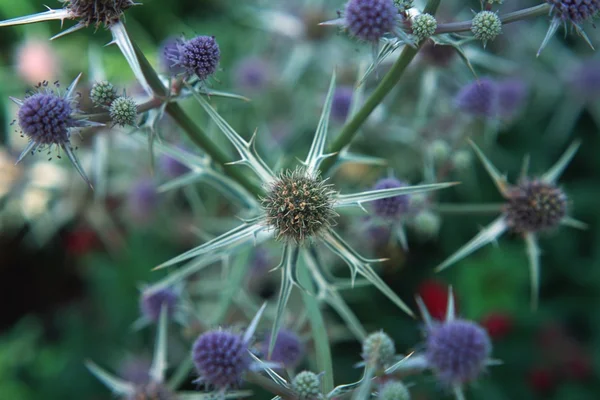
(535, 206)
(98, 12)
(299, 206)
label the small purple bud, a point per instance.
(369, 20)
(152, 300)
(457, 351)
(511, 97)
(221, 358)
(288, 350)
(340, 106)
(391, 206)
(478, 98)
(252, 74)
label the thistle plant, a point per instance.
(239, 204)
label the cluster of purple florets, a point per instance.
(45, 118)
(221, 357)
(487, 97)
(457, 351)
(575, 11)
(391, 206)
(369, 20)
(198, 56)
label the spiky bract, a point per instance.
(457, 351)
(97, 12)
(535, 206)
(369, 20)
(299, 206)
(103, 93)
(221, 357)
(378, 349)
(152, 391)
(307, 385)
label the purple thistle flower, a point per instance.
(478, 98)
(585, 79)
(340, 106)
(574, 11)
(169, 51)
(252, 73)
(152, 300)
(457, 350)
(198, 56)
(288, 350)
(369, 20)
(221, 358)
(391, 206)
(142, 199)
(511, 96)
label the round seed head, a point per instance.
(340, 105)
(369, 20)
(221, 358)
(199, 56)
(394, 391)
(97, 12)
(462, 159)
(152, 391)
(103, 94)
(423, 26)
(574, 11)
(307, 385)
(152, 301)
(478, 98)
(391, 206)
(288, 349)
(299, 206)
(45, 118)
(535, 206)
(439, 150)
(378, 349)
(427, 224)
(123, 111)
(486, 26)
(457, 351)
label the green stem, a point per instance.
(388, 82)
(194, 132)
(526, 13)
(469, 209)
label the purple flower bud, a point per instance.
(340, 106)
(369, 20)
(288, 349)
(198, 56)
(142, 200)
(252, 74)
(169, 51)
(152, 300)
(479, 98)
(45, 118)
(575, 11)
(457, 351)
(221, 358)
(391, 206)
(511, 96)
(585, 80)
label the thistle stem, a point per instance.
(388, 82)
(469, 209)
(526, 13)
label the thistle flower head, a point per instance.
(152, 391)
(394, 390)
(457, 350)
(198, 56)
(574, 11)
(340, 106)
(221, 357)
(152, 301)
(486, 26)
(535, 206)
(299, 206)
(307, 385)
(511, 96)
(103, 93)
(97, 12)
(369, 20)
(169, 55)
(424, 26)
(123, 111)
(391, 206)
(378, 349)
(478, 98)
(288, 349)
